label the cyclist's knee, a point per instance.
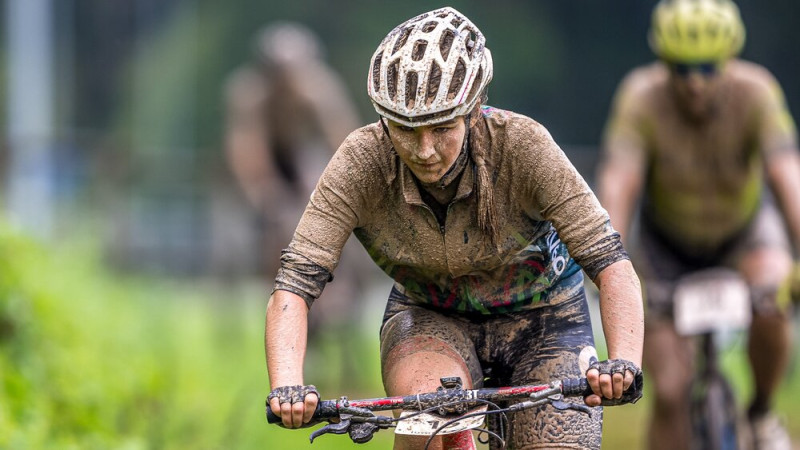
(671, 401)
(418, 347)
(771, 302)
(766, 266)
(418, 363)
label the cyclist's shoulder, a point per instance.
(749, 78)
(646, 79)
(643, 91)
(749, 71)
(365, 150)
(511, 123)
(515, 135)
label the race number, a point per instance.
(715, 302)
(425, 424)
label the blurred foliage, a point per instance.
(93, 360)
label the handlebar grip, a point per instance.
(326, 409)
(575, 387)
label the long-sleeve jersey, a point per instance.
(549, 223)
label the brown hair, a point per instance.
(479, 148)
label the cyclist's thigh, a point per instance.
(419, 346)
(669, 362)
(763, 257)
(552, 342)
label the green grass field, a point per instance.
(93, 360)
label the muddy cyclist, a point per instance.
(486, 229)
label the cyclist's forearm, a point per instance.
(784, 175)
(285, 338)
(621, 311)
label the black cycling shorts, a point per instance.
(528, 347)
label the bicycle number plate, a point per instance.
(712, 304)
(425, 424)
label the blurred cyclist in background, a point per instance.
(696, 134)
(287, 112)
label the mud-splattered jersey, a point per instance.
(549, 222)
(703, 180)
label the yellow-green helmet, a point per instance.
(696, 30)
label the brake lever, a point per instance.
(334, 428)
(562, 406)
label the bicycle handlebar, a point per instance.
(330, 409)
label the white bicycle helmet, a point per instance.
(429, 69)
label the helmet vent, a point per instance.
(446, 42)
(376, 72)
(476, 84)
(456, 22)
(673, 30)
(693, 34)
(401, 40)
(430, 26)
(470, 44)
(458, 79)
(391, 79)
(713, 30)
(411, 89)
(434, 79)
(419, 50)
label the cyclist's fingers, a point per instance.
(606, 385)
(628, 380)
(275, 406)
(617, 380)
(310, 406)
(593, 400)
(593, 378)
(286, 414)
(298, 409)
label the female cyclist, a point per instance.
(486, 229)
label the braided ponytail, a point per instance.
(479, 148)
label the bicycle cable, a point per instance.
(496, 411)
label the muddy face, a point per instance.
(429, 151)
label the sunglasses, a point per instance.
(706, 69)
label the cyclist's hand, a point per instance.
(294, 404)
(614, 382)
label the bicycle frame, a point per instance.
(712, 404)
